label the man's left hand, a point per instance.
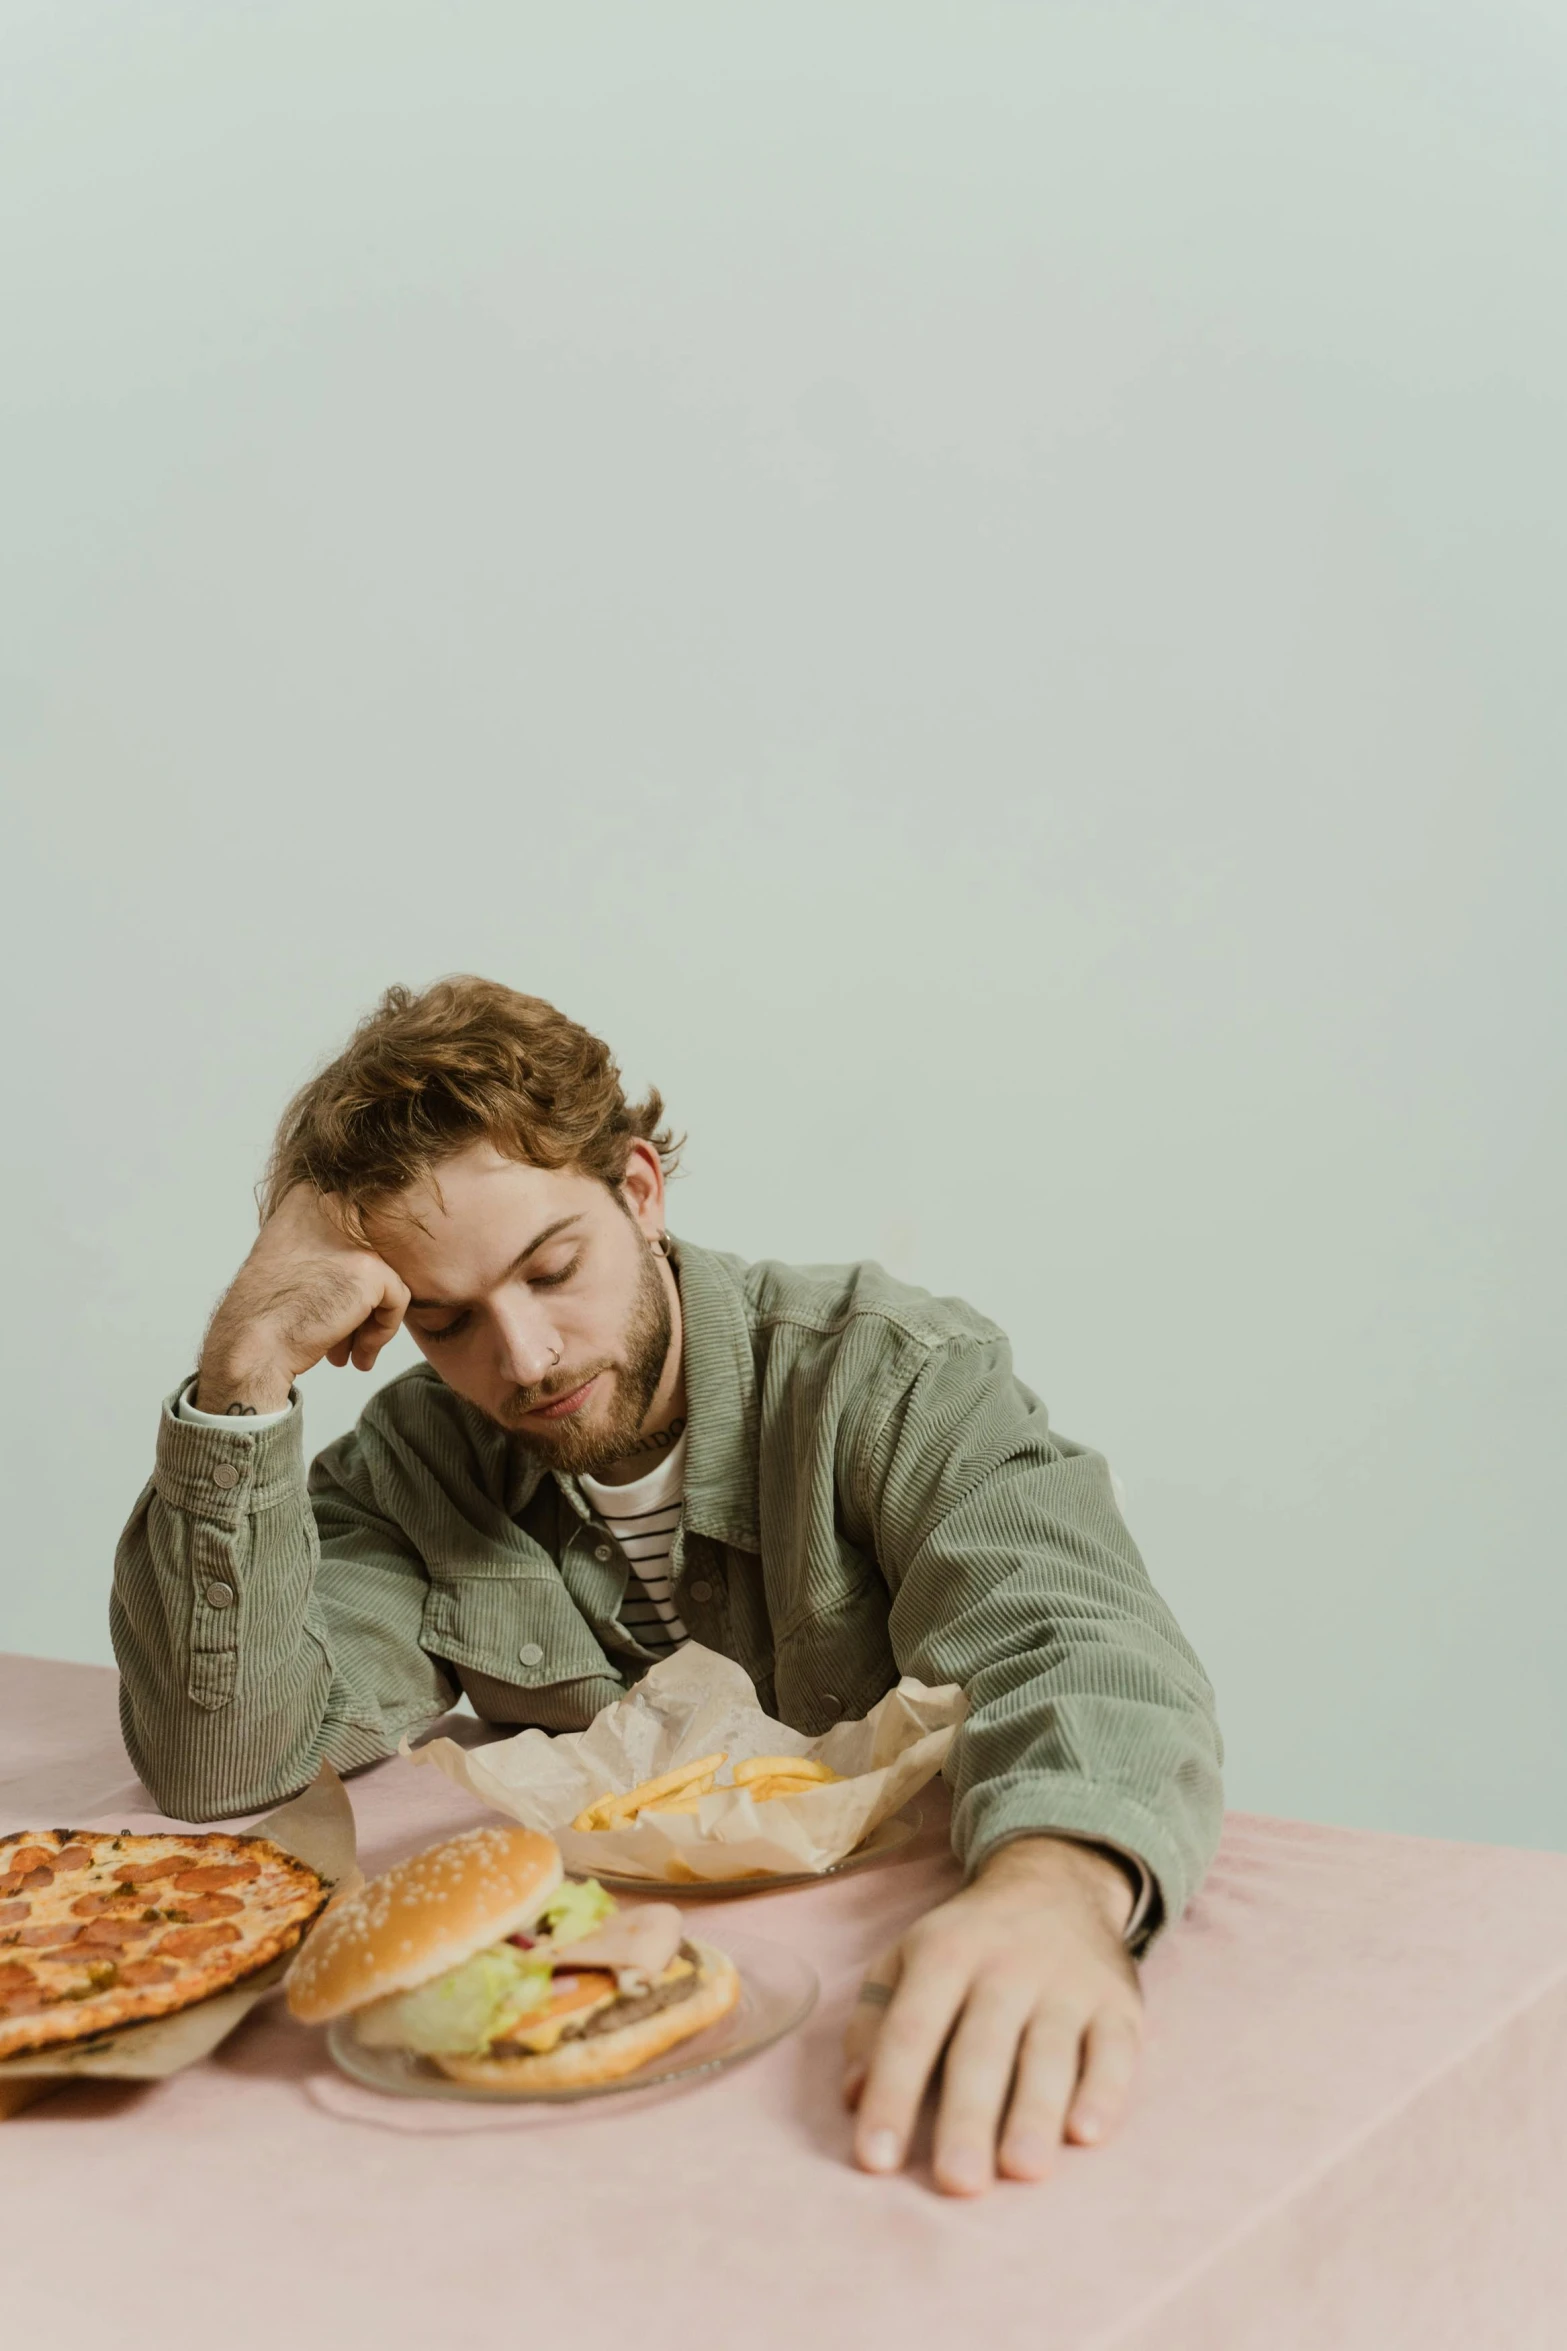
(1024, 1980)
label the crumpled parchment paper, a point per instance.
(690, 1705)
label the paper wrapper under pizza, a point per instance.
(316, 1827)
(692, 1704)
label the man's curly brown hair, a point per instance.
(465, 1061)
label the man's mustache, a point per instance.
(526, 1400)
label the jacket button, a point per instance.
(225, 1474)
(701, 1591)
(530, 1653)
(220, 1595)
(830, 1698)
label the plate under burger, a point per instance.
(778, 1990)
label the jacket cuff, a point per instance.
(223, 1474)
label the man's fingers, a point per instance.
(1047, 2071)
(916, 2025)
(975, 2080)
(863, 2029)
(383, 1322)
(860, 2036)
(1109, 2062)
(367, 1342)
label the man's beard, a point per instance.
(570, 1445)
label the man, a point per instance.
(618, 1441)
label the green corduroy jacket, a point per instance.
(870, 1491)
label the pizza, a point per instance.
(99, 1930)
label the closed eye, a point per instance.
(449, 1330)
(552, 1281)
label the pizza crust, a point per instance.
(251, 1902)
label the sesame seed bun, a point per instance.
(607, 2057)
(427, 1914)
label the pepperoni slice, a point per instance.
(195, 1942)
(106, 1934)
(71, 1857)
(125, 1902)
(26, 1881)
(147, 1873)
(40, 1938)
(212, 1879)
(148, 1971)
(22, 2003)
(208, 1906)
(11, 1912)
(15, 1975)
(22, 1858)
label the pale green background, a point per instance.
(981, 588)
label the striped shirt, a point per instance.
(643, 1518)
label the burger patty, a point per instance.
(634, 2006)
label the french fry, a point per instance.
(619, 1809)
(610, 1811)
(782, 1767)
(684, 1799)
(765, 1791)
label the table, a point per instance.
(1351, 2132)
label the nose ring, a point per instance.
(554, 1359)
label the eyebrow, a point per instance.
(444, 1305)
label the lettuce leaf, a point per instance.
(576, 1907)
(460, 2013)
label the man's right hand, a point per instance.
(305, 1291)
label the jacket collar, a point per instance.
(723, 1419)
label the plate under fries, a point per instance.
(886, 1839)
(777, 1992)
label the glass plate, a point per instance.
(777, 1992)
(887, 1838)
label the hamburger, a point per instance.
(482, 1957)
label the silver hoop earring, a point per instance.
(660, 1246)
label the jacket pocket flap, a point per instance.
(526, 1630)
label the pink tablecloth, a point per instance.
(1352, 2132)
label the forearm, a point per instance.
(1052, 1866)
(228, 1692)
(238, 1386)
(1107, 1747)
(1014, 1574)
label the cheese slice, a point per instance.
(539, 2032)
(574, 1996)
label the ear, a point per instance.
(642, 1189)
